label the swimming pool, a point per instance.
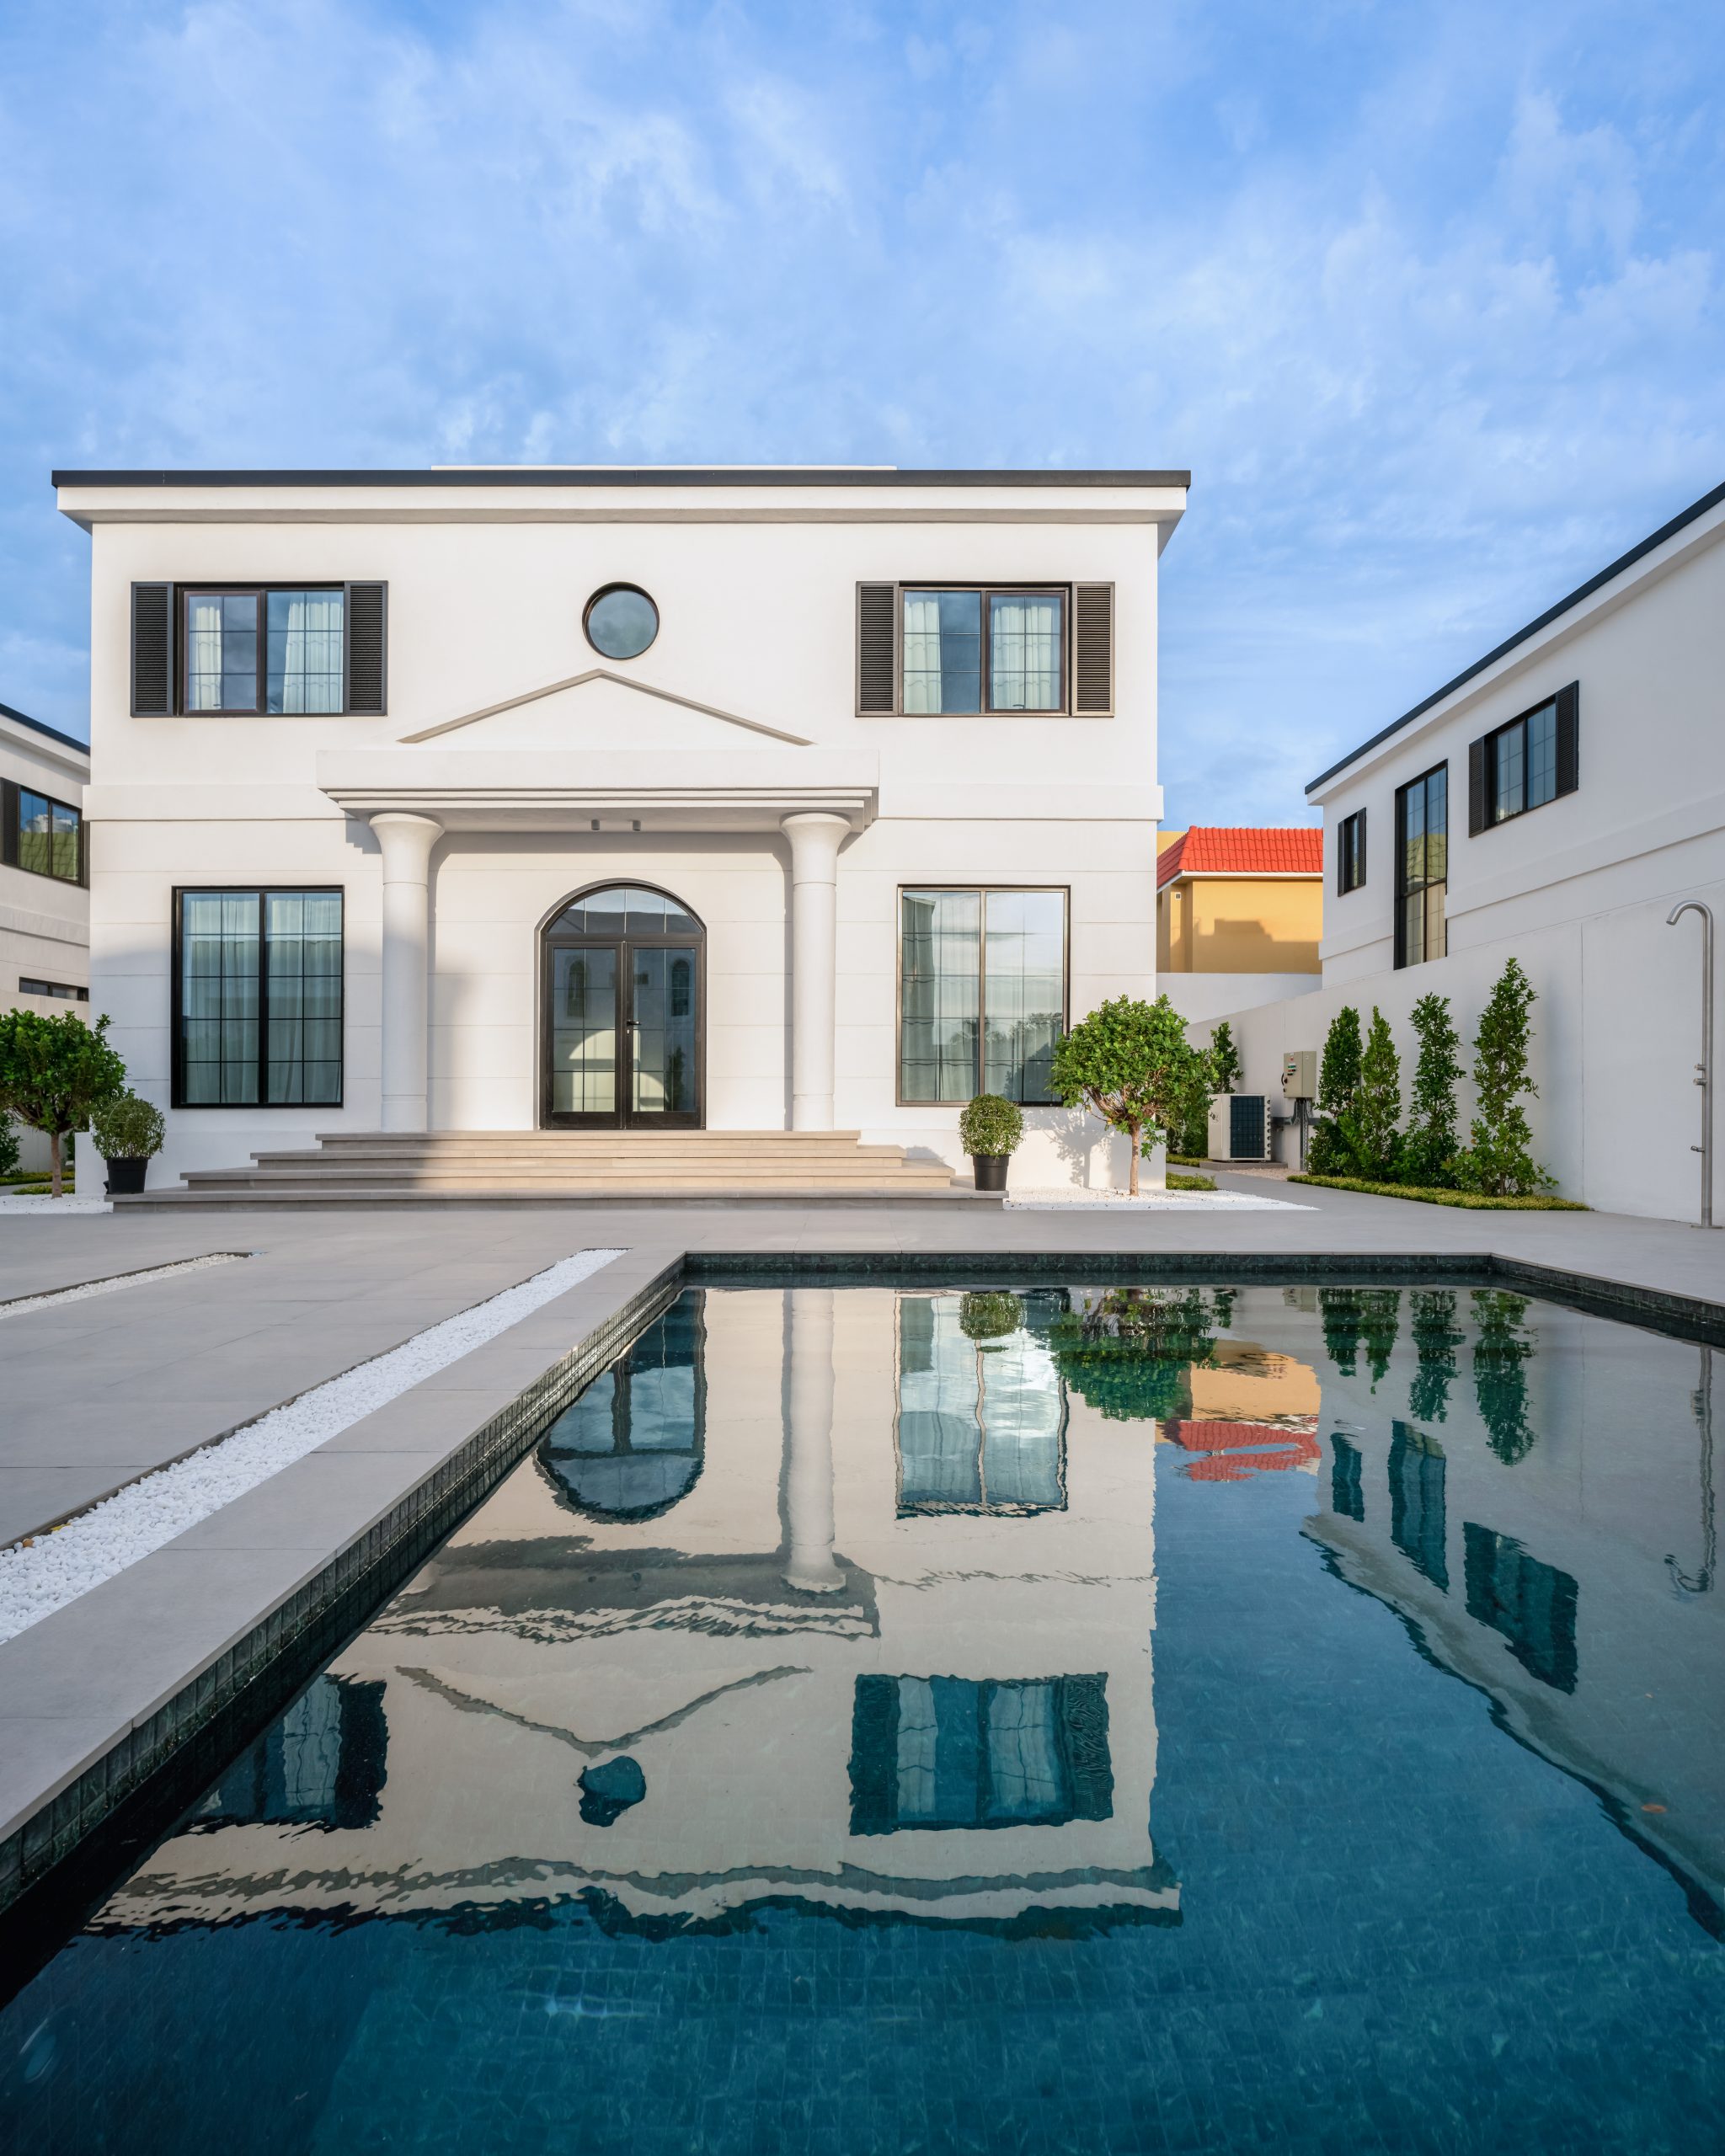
(951, 1717)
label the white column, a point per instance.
(815, 857)
(406, 843)
(808, 1441)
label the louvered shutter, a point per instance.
(1569, 738)
(1093, 649)
(1478, 811)
(8, 826)
(877, 647)
(151, 650)
(367, 610)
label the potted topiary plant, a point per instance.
(128, 1133)
(988, 1130)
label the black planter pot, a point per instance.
(126, 1178)
(991, 1170)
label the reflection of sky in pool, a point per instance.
(1083, 1719)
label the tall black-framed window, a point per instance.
(982, 992)
(1531, 1603)
(1522, 765)
(41, 835)
(1350, 853)
(258, 999)
(981, 1420)
(1422, 866)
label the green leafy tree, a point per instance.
(1435, 1339)
(1131, 1353)
(1427, 1153)
(1502, 1351)
(53, 1072)
(1368, 1128)
(8, 1147)
(1498, 1158)
(1131, 1062)
(1225, 1065)
(1338, 1084)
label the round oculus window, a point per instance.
(621, 621)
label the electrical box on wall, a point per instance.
(1240, 1127)
(1299, 1074)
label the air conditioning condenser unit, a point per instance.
(1240, 1127)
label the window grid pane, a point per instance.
(47, 836)
(304, 669)
(1025, 970)
(302, 947)
(943, 635)
(1543, 756)
(940, 995)
(221, 651)
(219, 998)
(1508, 789)
(1024, 645)
(1424, 867)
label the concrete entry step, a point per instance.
(372, 1168)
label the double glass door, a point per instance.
(624, 1034)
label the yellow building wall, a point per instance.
(1240, 924)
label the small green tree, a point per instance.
(1501, 1354)
(1498, 1160)
(1131, 1062)
(1338, 1083)
(53, 1072)
(1435, 1340)
(1427, 1153)
(1224, 1058)
(1369, 1127)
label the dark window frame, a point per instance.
(184, 593)
(1350, 854)
(1062, 591)
(1403, 890)
(982, 890)
(12, 792)
(1483, 814)
(55, 992)
(262, 1105)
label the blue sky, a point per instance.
(1428, 296)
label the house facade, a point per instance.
(1240, 915)
(44, 899)
(1552, 803)
(537, 798)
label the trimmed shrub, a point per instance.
(990, 1126)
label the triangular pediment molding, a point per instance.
(622, 681)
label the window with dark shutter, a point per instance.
(365, 647)
(1093, 649)
(1522, 765)
(876, 668)
(151, 650)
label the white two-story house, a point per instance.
(44, 905)
(1554, 802)
(524, 799)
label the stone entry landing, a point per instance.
(556, 1167)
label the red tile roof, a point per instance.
(1254, 849)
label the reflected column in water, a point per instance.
(808, 1443)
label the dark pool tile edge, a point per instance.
(73, 1806)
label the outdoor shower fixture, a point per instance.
(1705, 1067)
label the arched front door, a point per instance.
(624, 1035)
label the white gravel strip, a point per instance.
(43, 1573)
(55, 1205)
(1159, 1200)
(20, 1305)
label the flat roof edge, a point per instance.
(40, 726)
(1678, 523)
(588, 477)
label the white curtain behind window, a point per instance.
(1025, 653)
(922, 672)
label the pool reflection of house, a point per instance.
(867, 1598)
(1533, 1492)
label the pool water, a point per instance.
(1066, 1718)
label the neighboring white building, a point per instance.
(1552, 802)
(44, 899)
(872, 752)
